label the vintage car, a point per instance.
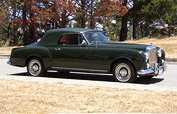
(88, 50)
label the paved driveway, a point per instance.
(165, 82)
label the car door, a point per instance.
(99, 55)
(70, 53)
(99, 59)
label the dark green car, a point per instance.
(88, 50)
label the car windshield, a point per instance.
(96, 37)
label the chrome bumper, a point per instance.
(157, 70)
(8, 62)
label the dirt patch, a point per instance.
(33, 97)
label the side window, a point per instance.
(69, 39)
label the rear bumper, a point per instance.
(8, 62)
(157, 70)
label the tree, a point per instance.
(108, 8)
(108, 11)
(91, 14)
(4, 23)
(29, 20)
(8, 12)
(81, 16)
(39, 14)
(86, 14)
(59, 12)
(124, 29)
(23, 21)
(161, 16)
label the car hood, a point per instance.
(124, 45)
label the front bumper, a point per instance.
(157, 70)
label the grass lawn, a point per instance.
(168, 44)
(40, 98)
(6, 50)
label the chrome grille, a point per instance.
(152, 56)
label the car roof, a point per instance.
(52, 36)
(73, 30)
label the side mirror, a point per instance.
(84, 42)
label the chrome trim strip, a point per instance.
(63, 68)
(88, 43)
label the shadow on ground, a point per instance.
(91, 77)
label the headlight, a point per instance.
(146, 55)
(159, 52)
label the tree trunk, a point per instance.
(32, 31)
(7, 43)
(64, 19)
(92, 23)
(135, 21)
(32, 28)
(26, 38)
(142, 31)
(169, 30)
(135, 28)
(15, 37)
(124, 29)
(83, 20)
(146, 29)
(14, 28)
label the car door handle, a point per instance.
(57, 49)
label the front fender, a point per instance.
(136, 57)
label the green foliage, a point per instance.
(156, 18)
(162, 14)
(111, 28)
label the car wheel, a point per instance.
(35, 67)
(124, 72)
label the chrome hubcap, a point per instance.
(34, 67)
(123, 72)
